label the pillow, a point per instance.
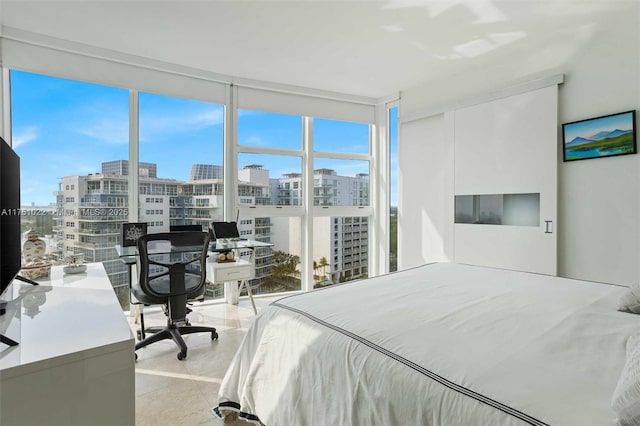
(626, 397)
(630, 300)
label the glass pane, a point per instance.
(393, 190)
(498, 209)
(265, 179)
(180, 170)
(65, 132)
(338, 182)
(278, 267)
(340, 249)
(464, 209)
(521, 209)
(340, 136)
(267, 129)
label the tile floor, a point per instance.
(173, 392)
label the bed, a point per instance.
(439, 344)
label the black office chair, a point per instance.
(172, 279)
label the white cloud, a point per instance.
(211, 117)
(182, 121)
(253, 140)
(25, 135)
(107, 130)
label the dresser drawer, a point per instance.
(222, 272)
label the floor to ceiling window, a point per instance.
(67, 134)
(314, 206)
(270, 187)
(393, 188)
(180, 169)
(341, 169)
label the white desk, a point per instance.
(74, 364)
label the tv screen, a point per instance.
(10, 241)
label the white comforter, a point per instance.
(441, 344)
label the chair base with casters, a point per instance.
(172, 279)
(174, 332)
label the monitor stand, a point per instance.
(26, 280)
(5, 339)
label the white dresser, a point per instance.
(75, 363)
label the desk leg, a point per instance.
(135, 307)
(245, 283)
(231, 292)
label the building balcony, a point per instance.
(94, 246)
(106, 218)
(104, 232)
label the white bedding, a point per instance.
(441, 344)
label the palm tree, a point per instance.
(323, 264)
(283, 271)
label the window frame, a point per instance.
(231, 207)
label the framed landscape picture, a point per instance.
(597, 137)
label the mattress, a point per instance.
(440, 344)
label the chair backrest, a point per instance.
(193, 228)
(173, 263)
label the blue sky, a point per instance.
(62, 127)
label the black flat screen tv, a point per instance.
(10, 239)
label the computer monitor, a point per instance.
(220, 230)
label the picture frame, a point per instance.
(598, 137)
(131, 231)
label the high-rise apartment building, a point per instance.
(343, 242)
(94, 206)
(121, 167)
(206, 171)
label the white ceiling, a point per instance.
(367, 47)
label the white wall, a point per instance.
(599, 200)
(425, 157)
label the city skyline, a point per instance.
(62, 127)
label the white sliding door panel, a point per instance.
(425, 201)
(509, 146)
(504, 248)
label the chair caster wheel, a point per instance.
(182, 355)
(139, 334)
(214, 335)
(136, 356)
